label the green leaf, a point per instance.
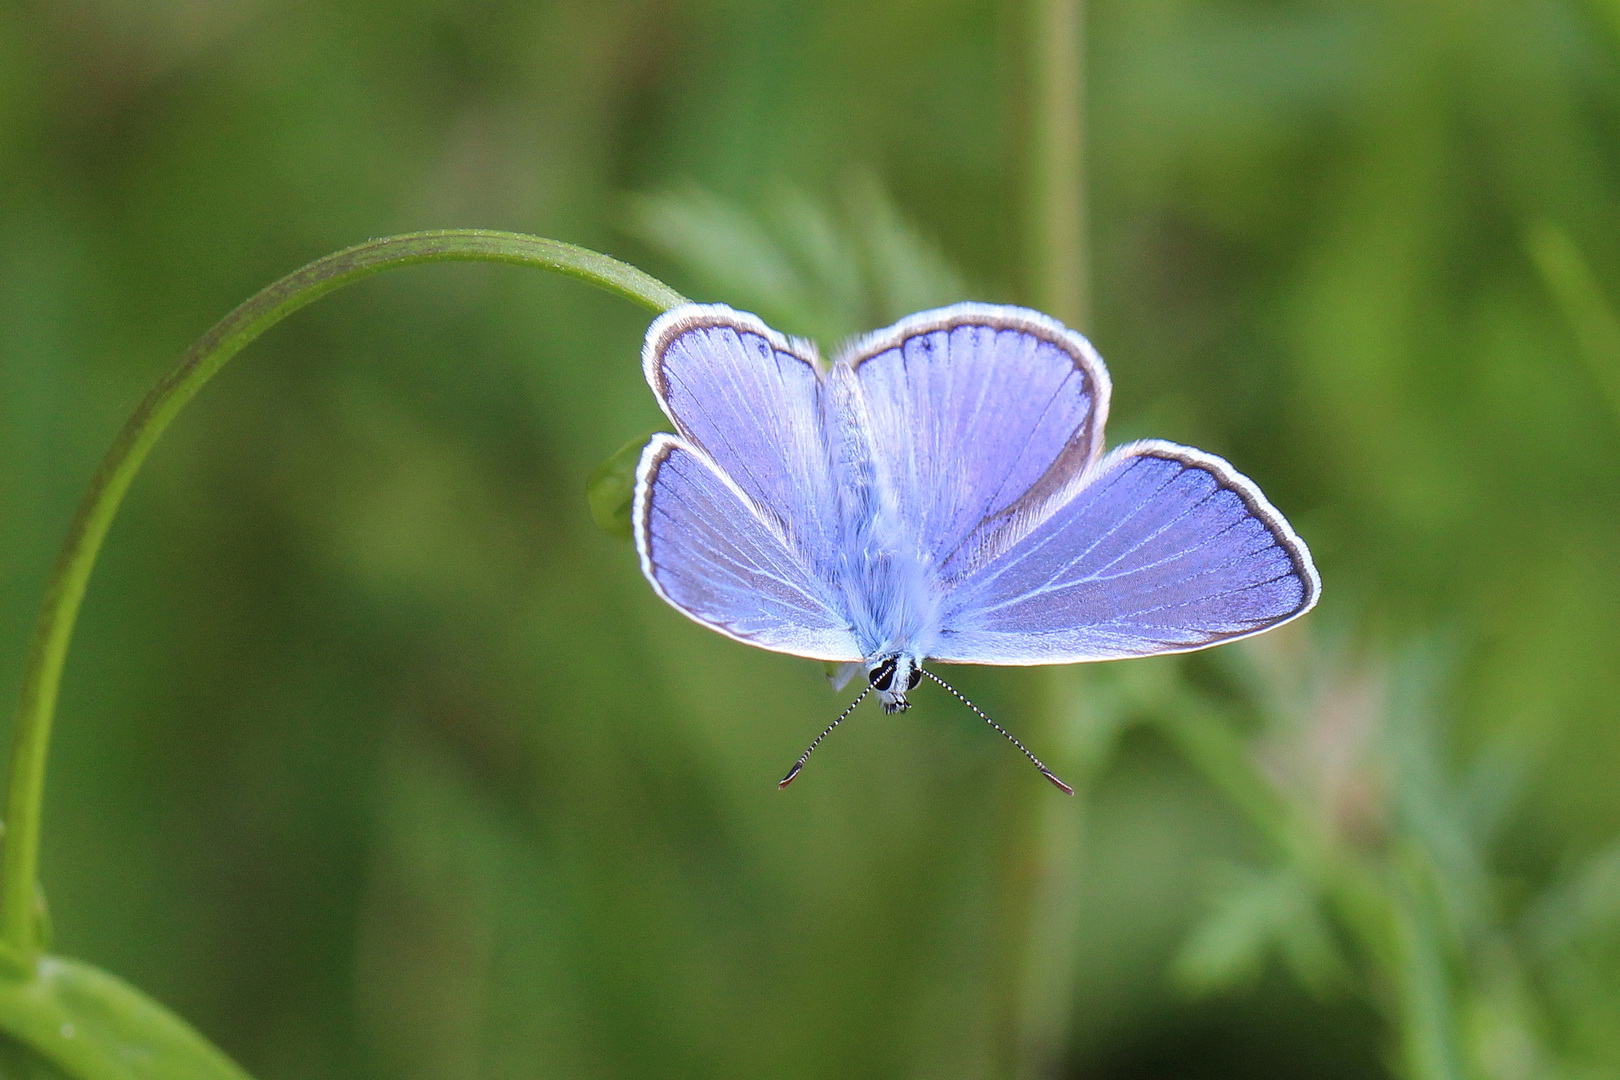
(611, 489)
(94, 1026)
(1229, 946)
(1575, 287)
(1253, 915)
(1582, 903)
(729, 250)
(18, 1062)
(824, 268)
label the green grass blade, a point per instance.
(94, 1026)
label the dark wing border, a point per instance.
(1253, 499)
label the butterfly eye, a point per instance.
(883, 675)
(916, 677)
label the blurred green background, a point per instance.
(378, 758)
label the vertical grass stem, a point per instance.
(1057, 269)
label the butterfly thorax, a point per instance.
(888, 583)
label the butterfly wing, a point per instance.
(1161, 549)
(750, 400)
(709, 550)
(979, 415)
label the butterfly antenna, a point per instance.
(804, 757)
(1065, 788)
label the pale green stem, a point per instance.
(1049, 960)
(1058, 267)
(1575, 287)
(1056, 234)
(19, 936)
(1430, 1038)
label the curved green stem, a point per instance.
(19, 935)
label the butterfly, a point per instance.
(939, 492)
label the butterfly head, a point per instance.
(891, 677)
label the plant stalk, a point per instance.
(20, 944)
(1058, 256)
(1057, 263)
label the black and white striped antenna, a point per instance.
(804, 757)
(1061, 786)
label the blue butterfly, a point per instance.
(940, 492)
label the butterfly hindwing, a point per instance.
(714, 556)
(1162, 549)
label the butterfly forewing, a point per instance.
(751, 401)
(977, 415)
(1163, 549)
(711, 554)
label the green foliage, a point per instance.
(826, 271)
(377, 758)
(18, 1062)
(1350, 780)
(93, 1026)
(611, 489)
(1570, 279)
(1253, 916)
